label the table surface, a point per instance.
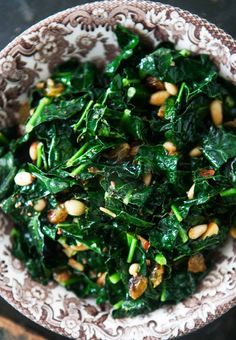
(15, 17)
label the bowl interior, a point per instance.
(86, 33)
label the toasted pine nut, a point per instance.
(134, 268)
(196, 152)
(75, 265)
(40, 85)
(147, 178)
(196, 264)
(172, 89)
(24, 178)
(216, 110)
(158, 98)
(40, 205)
(232, 232)
(50, 82)
(212, 229)
(161, 111)
(190, 193)
(75, 207)
(33, 151)
(197, 231)
(170, 147)
(101, 279)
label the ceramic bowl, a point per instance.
(86, 33)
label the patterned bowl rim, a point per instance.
(218, 33)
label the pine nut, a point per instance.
(159, 98)
(190, 193)
(196, 152)
(101, 280)
(40, 85)
(134, 269)
(33, 151)
(196, 264)
(172, 89)
(75, 265)
(197, 231)
(50, 82)
(212, 229)
(232, 232)
(75, 208)
(170, 147)
(23, 178)
(216, 110)
(161, 111)
(147, 178)
(40, 205)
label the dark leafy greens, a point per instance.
(100, 148)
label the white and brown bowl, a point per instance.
(86, 33)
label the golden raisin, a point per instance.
(157, 275)
(57, 215)
(196, 264)
(137, 286)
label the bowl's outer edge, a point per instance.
(147, 326)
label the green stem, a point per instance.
(132, 250)
(86, 110)
(163, 293)
(39, 155)
(79, 169)
(31, 123)
(176, 212)
(129, 239)
(180, 93)
(228, 192)
(118, 305)
(183, 235)
(108, 91)
(160, 259)
(115, 278)
(79, 153)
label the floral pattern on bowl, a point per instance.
(86, 33)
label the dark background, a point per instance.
(15, 17)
